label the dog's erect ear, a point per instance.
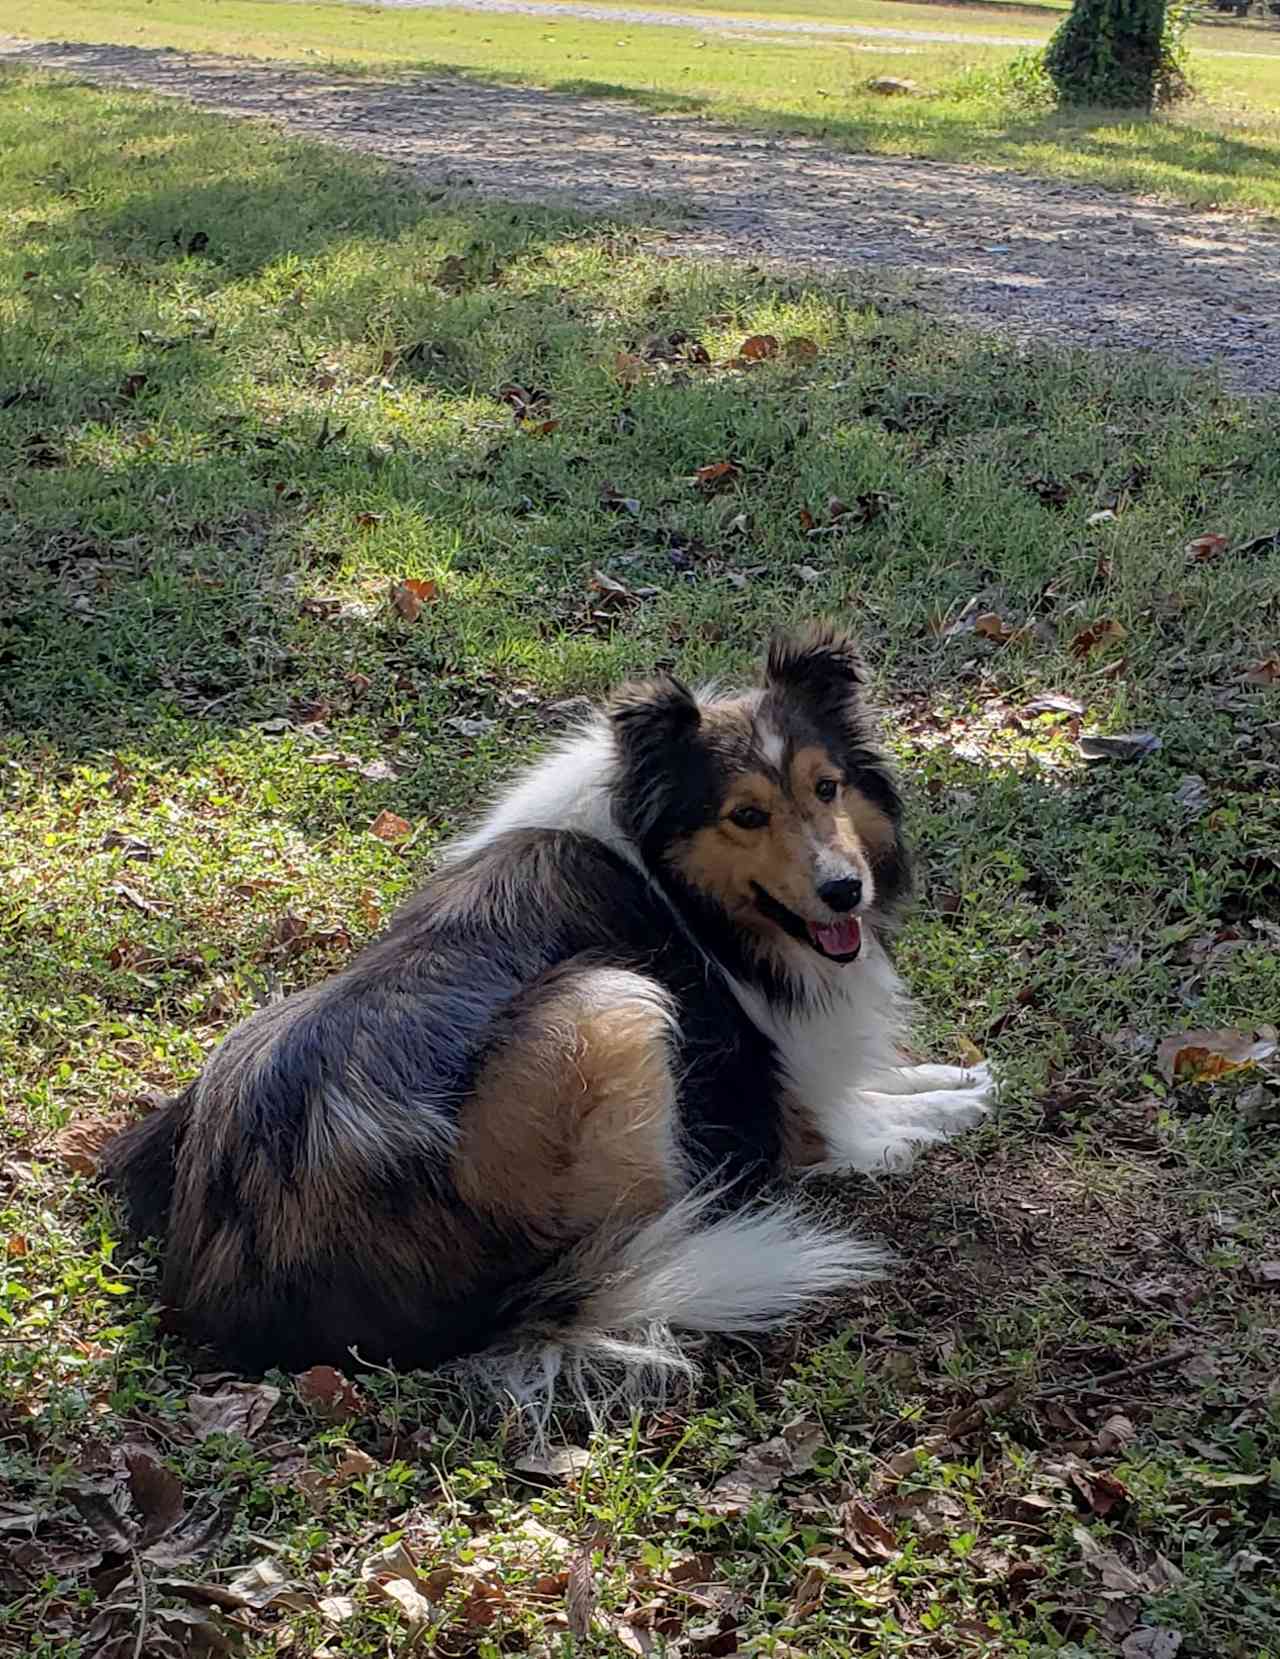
(819, 665)
(652, 723)
(654, 712)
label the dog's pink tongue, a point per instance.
(841, 938)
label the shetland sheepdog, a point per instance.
(538, 1127)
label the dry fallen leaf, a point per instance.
(390, 826)
(1206, 547)
(1116, 1435)
(1053, 702)
(628, 369)
(808, 1593)
(137, 900)
(559, 1465)
(1267, 672)
(993, 626)
(16, 1245)
(236, 1408)
(758, 347)
(611, 594)
(580, 1595)
(1120, 746)
(764, 1466)
(866, 1533)
(1152, 1642)
(1106, 631)
(409, 595)
(1113, 1572)
(1201, 1055)
(353, 1463)
(715, 477)
(330, 1394)
(81, 1144)
(1102, 1492)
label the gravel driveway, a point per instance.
(1046, 261)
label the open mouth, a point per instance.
(838, 941)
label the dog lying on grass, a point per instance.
(532, 1127)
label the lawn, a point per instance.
(1223, 149)
(248, 387)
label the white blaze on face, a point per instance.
(772, 747)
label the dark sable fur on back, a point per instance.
(320, 1186)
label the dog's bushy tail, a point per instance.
(635, 1292)
(139, 1166)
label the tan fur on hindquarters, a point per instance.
(573, 1122)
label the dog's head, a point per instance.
(772, 809)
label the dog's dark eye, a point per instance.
(828, 789)
(749, 817)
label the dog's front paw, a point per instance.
(951, 1111)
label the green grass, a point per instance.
(1223, 149)
(215, 457)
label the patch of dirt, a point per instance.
(1044, 261)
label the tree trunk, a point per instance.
(1110, 52)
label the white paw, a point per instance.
(888, 1154)
(950, 1112)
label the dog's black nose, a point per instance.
(843, 895)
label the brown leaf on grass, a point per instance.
(562, 1464)
(800, 349)
(236, 1408)
(485, 1600)
(1106, 631)
(716, 476)
(1267, 672)
(409, 595)
(765, 1466)
(390, 826)
(353, 1463)
(1203, 548)
(611, 594)
(264, 1583)
(991, 625)
(1152, 1641)
(136, 900)
(1204, 1054)
(692, 1569)
(1113, 1572)
(628, 369)
(413, 1606)
(1101, 1492)
(963, 623)
(330, 1394)
(758, 348)
(807, 1596)
(81, 1144)
(580, 1595)
(1116, 1435)
(1119, 746)
(16, 1245)
(155, 1490)
(807, 520)
(866, 1533)
(131, 385)
(369, 521)
(1053, 702)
